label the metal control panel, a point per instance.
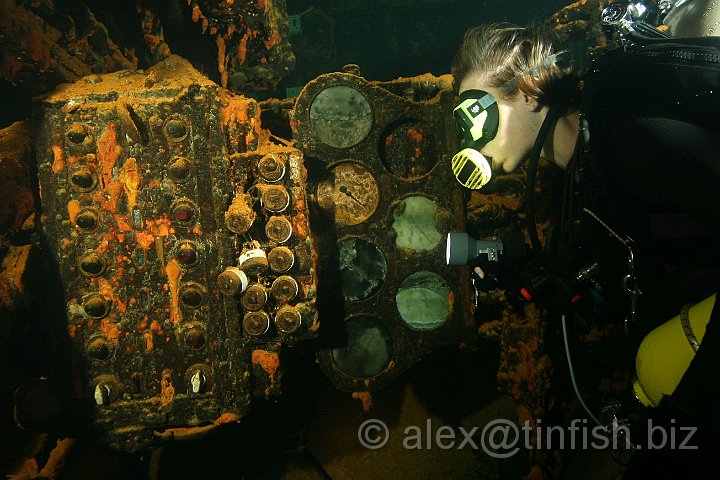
(142, 178)
(380, 154)
(273, 280)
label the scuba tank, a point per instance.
(666, 352)
(671, 72)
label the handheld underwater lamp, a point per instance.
(462, 249)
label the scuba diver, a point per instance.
(638, 140)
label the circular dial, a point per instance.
(351, 193)
(341, 116)
(414, 223)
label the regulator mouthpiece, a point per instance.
(471, 168)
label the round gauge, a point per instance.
(423, 300)
(409, 150)
(351, 193)
(414, 223)
(369, 347)
(341, 116)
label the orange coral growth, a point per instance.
(365, 398)
(242, 48)
(226, 418)
(236, 110)
(130, 179)
(299, 225)
(263, 5)
(167, 391)
(114, 189)
(122, 224)
(222, 60)
(109, 328)
(36, 49)
(156, 327)
(73, 207)
(106, 289)
(269, 361)
(145, 240)
(416, 136)
(108, 152)
(159, 227)
(172, 270)
(148, 336)
(273, 40)
(58, 164)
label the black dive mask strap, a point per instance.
(550, 119)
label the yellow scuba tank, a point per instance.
(666, 352)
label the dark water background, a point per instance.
(395, 39)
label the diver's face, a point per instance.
(520, 121)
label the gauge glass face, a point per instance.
(340, 116)
(414, 224)
(423, 300)
(362, 268)
(409, 151)
(351, 193)
(369, 348)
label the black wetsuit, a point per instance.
(662, 173)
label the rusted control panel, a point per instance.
(274, 278)
(181, 238)
(383, 180)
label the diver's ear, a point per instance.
(531, 102)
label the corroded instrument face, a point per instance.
(389, 193)
(350, 194)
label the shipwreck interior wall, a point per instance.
(222, 233)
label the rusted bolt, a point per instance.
(278, 229)
(253, 261)
(187, 254)
(77, 133)
(195, 338)
(240, 216)
(232, 281)
(254, 297)
(176, 129)
(103, 393)
(281, 259)
(288, 319)
(96, 306)
(271, 168)
(256, 323)
(275, 198)
(284, 289)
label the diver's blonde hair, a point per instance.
(514, 58)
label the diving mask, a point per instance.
(478, 117)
